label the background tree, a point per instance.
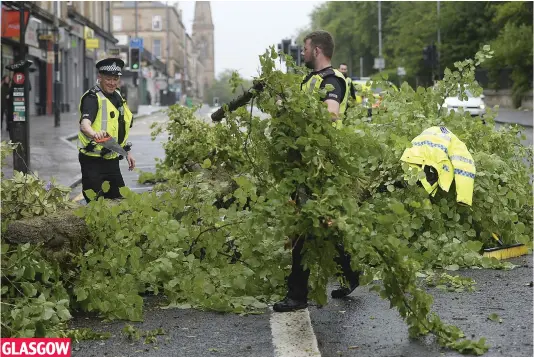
(222, 89)
(513, 45)
(408, 27)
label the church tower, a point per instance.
(203, 38)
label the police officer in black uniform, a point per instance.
(317, 52)
(104, 112)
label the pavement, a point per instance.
(52, 154)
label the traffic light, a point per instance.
(135, 59)
(295, 51)
(285, 46)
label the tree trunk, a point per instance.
(60, 233)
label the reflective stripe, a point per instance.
(431, 144)
(464, 173)
(312, 84)
(103, 124)
(103, 100)
(439, 135)
(461, 158)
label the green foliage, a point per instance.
(83, 334)
(225, 86)
(213, 234)
(147, 177)
(408, 27)
(494, 317)
(514, 49)
(35, 302)
(25, 195)
(135, 334)
(451, 283)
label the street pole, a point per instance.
(168, 40)
(56, 65)
(20, 129)
(136, 19)
(380, 32)
(136, 73)
(361, 67)
(184, 83)
(439, 41)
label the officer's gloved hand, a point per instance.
(99, 135)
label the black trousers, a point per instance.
(297, 282)
(96, 170)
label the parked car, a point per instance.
(474, 105)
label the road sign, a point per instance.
(114, 52)
(46, 37)
(380, 63)
(92, 43)
(136, 42)
(18, 78)
(401, 71)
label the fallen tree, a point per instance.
(264, 182)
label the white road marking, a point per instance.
(293, 334)
(147, 188)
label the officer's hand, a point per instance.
(99, 135)
(131, 161)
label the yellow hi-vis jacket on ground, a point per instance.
(441, 149)
(107, 119)
(312, 83)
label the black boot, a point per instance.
(352, 277)
(343, 290)
(289, 304)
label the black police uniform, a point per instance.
(96, 170)
(297, 282)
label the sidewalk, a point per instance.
(51, 152)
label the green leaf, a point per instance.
(48, 313)
(452, 267)
(64, 314)
(494, 317)
(106, 186)
(206, 164)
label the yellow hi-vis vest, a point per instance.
(441, 149)
(107, 119)
(314, 83)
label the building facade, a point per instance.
(83, 36)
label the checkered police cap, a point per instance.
(112, 66)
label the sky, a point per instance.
(245, 29)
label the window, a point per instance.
(117, 23)
(156, 48)
(157, 24)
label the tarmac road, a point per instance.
(360, 325)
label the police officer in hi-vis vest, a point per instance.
(317, 53)
(104, 112)
(344, 69)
